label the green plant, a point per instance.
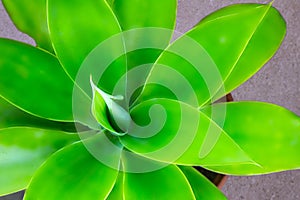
(137, 132)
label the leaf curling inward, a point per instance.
(106, 110)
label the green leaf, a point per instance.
(31, 19)
(117, 192)
(75, 174)
(148, 30)
(110, 2)
(152, 13)
(34, 81)
(11, 116)
(23, 150)
(174, 132)
(100, 111)
(266, 32)
(202, 187)
(218, 55)
(105, 109)
(268, 133)
(165, 183)
(75, 30)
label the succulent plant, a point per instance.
(108, 106)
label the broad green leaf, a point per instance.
(268, 133)
(148, 30)
(152, 13)
(171, 131)
(75, 174)
(34, 81)
(75, 30)
(202, 187)
(110, 2)
(11, 116)
(23, 150)
(30, 18)
(262, 43)
(219, 54)
(165, 183)
(117, 192)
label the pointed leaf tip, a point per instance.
(116, 115)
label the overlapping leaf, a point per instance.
(238, 148)
(11, 116)
(40, 86)
(148, 30)
(108, 112)
(152, 13)
(23, 150)
(157, 184)
(76, 32)
(269, 134)
(174, 132)
(74, 167)
(202, 187)
(166, 182)
(219, 54)
(117, 192)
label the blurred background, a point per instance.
(278, 82)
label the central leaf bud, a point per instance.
(108, 112)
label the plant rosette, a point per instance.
(108, 106)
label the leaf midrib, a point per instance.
(241, 54)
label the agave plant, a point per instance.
(106, 107)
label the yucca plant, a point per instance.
(106, 107)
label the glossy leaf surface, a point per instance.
(172, 119)
(165, 183)
(11, 116)
(143, 46)
(100, 110)
(269, 134)
(266, 34)
(171, 131)
(23, 150)
(152, 13)
(117, 191)
(74, 167)
(30, 18)
(202, 187)
(36, 83)
(107, 111)
(239, 39)
(76, 32)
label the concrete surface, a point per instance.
(278, 82)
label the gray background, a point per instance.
(278, 82)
